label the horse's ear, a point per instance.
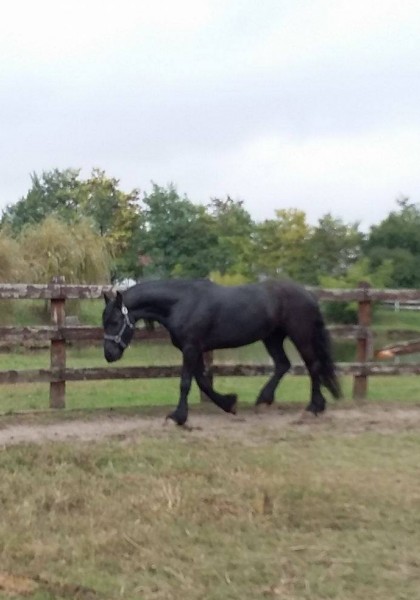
(119, 300)
(107, 298)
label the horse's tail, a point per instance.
(322, 343)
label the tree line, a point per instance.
(92, 231)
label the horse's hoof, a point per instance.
(232, 403)
(315, 410)
(266, 401)
(176, 418)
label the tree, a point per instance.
(52, 193)
(99, 200)
(117, 217)
(177, 237)
(234, 229)
(333, 247)
(397, 238)
(53, 247)
(115, 214)
(281, 244)
(346, 312)
(13, 267)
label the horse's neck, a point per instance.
(149, 301)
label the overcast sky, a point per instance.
(310, 104)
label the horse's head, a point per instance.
(118, 327)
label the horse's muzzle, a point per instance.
(112, 353)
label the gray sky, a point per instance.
(310, 104)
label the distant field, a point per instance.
(387, 318)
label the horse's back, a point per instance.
(271, 300)
(217, 316)
(239, 315)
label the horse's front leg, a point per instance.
(226, 402)
(190, 356)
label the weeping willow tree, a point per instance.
(75, 251)
(13, 268)
(44, 250)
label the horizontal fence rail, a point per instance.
(39, 291)
(58, 334)
(20, 335)
(158, 372)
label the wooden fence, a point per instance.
(57, 334)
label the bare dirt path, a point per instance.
(248, 427)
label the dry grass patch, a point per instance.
(305, 516)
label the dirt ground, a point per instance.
(248, 427)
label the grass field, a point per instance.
(321, 511)
(114, 393)
(149, 392)
(292, 514)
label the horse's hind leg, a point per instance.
(317, 403)
(226, 402)
(274, 346)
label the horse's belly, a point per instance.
(234, 336)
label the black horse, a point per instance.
(202, 316)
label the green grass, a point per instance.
(37, 312)
(387, 318)
(164, 392)
(294, 516)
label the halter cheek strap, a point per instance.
(127, 324)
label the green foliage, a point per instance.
(332, 248)
(178, 239)
(282, 244)
(234, 229)
(397, 238)
(182, 239)
(53, 247)
(52, 193)
(117, 218)
(63, 194)
(288, 246)
(228, 279)
(166, 235)
(346, 312)
(13, 267)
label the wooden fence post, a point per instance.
(58, 349)
(208, 363)
(363, 347)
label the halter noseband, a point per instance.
(117, 339)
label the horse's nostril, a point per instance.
(108, 356)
